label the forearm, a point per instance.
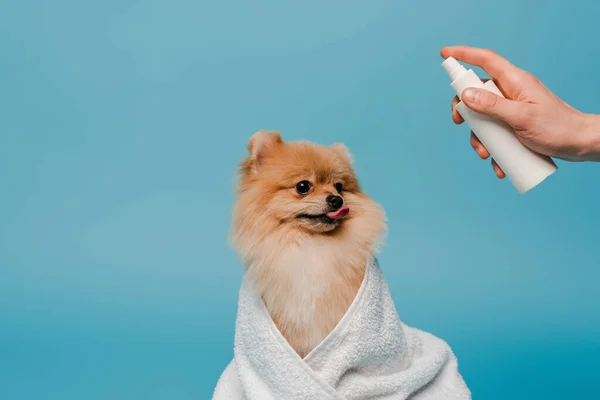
(590, 148)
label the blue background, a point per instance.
(121, 123)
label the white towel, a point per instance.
(370, 354)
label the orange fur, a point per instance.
(307, 272)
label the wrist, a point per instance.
(590, 145)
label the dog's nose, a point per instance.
(335, 201)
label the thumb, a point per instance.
(486, 102)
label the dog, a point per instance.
(305, 232)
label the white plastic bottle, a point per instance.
(523, 167)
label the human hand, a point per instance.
(541, 120)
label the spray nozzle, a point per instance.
(453, 68)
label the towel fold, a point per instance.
(370, 354)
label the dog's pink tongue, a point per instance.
(342, 212)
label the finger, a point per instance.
(495, 65)
(499, 173)
(479, 147)
(456, 117)
(515, 113)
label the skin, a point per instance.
(542, 121)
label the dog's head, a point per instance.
(300, 185)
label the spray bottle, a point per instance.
(523, 167)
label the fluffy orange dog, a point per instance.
(306, 232)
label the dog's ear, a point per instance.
(259, 145)
(343, 152)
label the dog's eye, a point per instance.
(339, 187)
(303, 187)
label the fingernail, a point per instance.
(472, 96)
